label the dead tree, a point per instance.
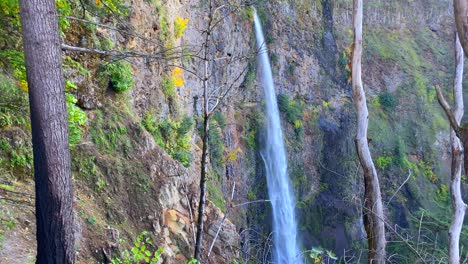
(49, 125)
(456, 133)
(214, 94)
(373, 215)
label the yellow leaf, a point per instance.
(179, 81)
(176, 72)
(23, 85)
(98, 3)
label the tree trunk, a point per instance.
(373, 208)
(206, 131)
(461, 20)
(49, 124)
(202, 201)
(458, 206)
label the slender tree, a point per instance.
(373, 208)
(49, 124)
(458, 206)
(214, 94)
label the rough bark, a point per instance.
(373, 215)
(458, 206)
(49, 124)
(461, 20)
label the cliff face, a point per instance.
(136, 168)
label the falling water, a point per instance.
(284, 221)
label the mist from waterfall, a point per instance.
(286, 249)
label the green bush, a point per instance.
(76, 120)
(388, 101)
(172, 136)
(384, 161)
(293, 111)
(120, 75)
(141, 252)
(168, 87)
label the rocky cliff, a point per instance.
(136, 157)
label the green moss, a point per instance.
(76, 120)
(215, 195)
(109, 132)
(172, 135)
(216, 148)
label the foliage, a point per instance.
(76, 120)
(180, 25)
(293, 111)
(9, 13)
(442, 194)
(169, 83)
(215, 195)
(7, 222)
(216, 147)
(164, 35)
(384, 161)
(63, 9)
(388, 101)
(109, 131)
(15, 61)
(177, 77)
(120, 75)
(172, 136)
(112, 7)
(168, 87)
(320, 255)
(141, 252)
(73, 64)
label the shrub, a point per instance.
(141, 252)
(172, 136)
(293, 111)
(387, 101)
(442, 194)
(180, 25)
(384, 161)
(120, 75)
(76, 120)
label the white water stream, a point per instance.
(286, 249)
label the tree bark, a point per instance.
(461, 20)
(49, 124)
(458, 206)
(373, 215)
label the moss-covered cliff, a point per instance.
(136, 147)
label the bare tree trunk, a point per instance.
(206, 131)
(49, 123)
(461, 20)
(458, 206)
(373, 215)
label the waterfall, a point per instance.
(286, 249)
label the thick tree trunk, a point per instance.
(373, 211)
(458, 206)
(461, 20)
(49, 123)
